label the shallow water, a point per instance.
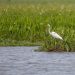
(24, 61)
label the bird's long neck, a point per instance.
(49, 30)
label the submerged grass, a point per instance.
(23, 24)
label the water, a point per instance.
(25, 61)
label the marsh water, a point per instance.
(25, 61)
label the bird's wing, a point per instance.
(55, 35)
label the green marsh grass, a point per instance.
(26, 24)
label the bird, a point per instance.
(57, 36)
(54, 34)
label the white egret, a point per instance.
(57, 36)
(54, 34)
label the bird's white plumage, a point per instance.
(54, 34)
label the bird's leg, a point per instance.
(58, 44)
(54, 43)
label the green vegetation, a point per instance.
(38, 1)
(26, 24)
